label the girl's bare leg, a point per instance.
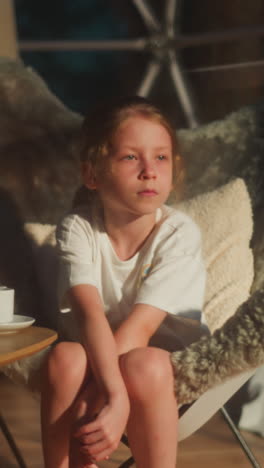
(62, 381)
(152, 426)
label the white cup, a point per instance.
(6, 304)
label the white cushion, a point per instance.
(225, 219)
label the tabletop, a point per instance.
(25, 342)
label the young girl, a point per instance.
(130, 267)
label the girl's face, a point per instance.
(138, 177)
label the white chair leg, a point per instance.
(245, 447)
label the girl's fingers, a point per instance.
(95, 449)
(104, 455)
(98, 451)
(90, 439)
(93, 426)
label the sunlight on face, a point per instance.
(143, 141)
(138, 176)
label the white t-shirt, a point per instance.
(167, 272)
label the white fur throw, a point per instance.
(41, 233)
(225, 219)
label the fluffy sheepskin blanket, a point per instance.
(235, 347)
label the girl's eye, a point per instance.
(130, 157)
(161, 157)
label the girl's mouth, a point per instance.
(148, 193)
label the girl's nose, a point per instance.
(147, 171)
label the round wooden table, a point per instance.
(25, 342)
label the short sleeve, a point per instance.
(76, 251)
(176, 278)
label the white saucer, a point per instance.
(18, 322)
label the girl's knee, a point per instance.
(146, 371)
(66, 361)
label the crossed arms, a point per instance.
(104, 353)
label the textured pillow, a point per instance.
(225, 219)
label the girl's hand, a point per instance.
(78, 459)
(100, 437)
(85, 410)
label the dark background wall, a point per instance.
(80, 79)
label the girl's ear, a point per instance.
(88, 176)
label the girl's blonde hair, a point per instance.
(99, 127)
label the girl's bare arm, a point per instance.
(99, 342)
(139, 327)
(97, 337)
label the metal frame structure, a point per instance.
(163, 41)
(11, 442)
